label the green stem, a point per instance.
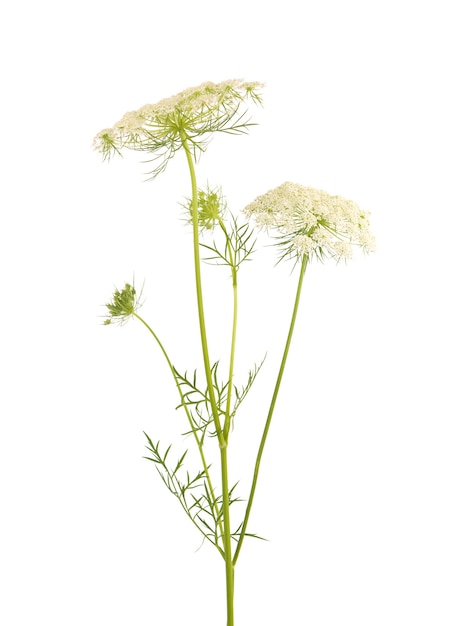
(232, 355)
(229, 564)
(227, 540)
(198, 441)
(198, 283)
(234, 329)
(271, 410)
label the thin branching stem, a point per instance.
(198, 441)
(234, 271)
(271, 409)
(232, 355)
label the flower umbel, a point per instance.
(192, 114)
(312, 222)
(124, 304)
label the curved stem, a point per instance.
(271, 409)
(189, 417)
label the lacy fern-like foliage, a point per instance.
(197, 499)
(194, 495)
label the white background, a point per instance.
(358, 491)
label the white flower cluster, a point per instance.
(311, 221)
(192, 113)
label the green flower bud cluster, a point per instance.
(123, 305)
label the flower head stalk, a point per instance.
(312, 222)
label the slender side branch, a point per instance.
(234, 271)
(232, 355)
(271, 409)
(189, 417)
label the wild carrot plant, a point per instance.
(305, 223)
